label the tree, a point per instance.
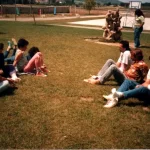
(89, 4)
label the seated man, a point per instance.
(128, 89)
(137, 71)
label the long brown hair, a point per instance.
(137, 54)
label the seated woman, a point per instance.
(5, 83)
(111, 66)
(35, 63)
(128, 89)
(137, 71)
(7, 70)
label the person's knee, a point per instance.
(39, 54)
(113, 67)
(110, 61)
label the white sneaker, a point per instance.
(16, 79)
(111, 103)
(107, 97)
(116, 94)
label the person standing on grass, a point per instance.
(138, 26)
(110, 66)
(22, 64)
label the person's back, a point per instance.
(138, 69)
(20, 59)
(23, 60)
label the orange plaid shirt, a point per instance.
(137, 71)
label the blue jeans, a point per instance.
(129, 90)
(10, 59)
(137, 33)
(110, 69)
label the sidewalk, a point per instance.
(50, 18)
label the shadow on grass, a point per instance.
(2, 33)
(144, 46)
(9, 91)
(45, 25)
(140, 102)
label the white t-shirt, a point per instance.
(139, 21)
(148, 77)
(125, 58)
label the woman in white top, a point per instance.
(138, 26)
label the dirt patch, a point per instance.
(86, 99)
(104, 42)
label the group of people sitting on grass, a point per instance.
(130, 71)
(18, 62)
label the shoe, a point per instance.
(116, 94)
(16, 79)
(107, 97)
(40, 74)
(112, 95)
(14, 41)
(95, 77)
(45, 70)
(10, 44)
(94, 81)
(111, 103)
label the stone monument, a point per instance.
(112, 28)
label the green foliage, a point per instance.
(89, 4)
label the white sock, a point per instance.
(116, 93)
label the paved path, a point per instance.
(125, 22)
(88, 27)
(96, 24)
(49, 18)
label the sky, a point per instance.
(143, 1)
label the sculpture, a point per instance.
(112, 28)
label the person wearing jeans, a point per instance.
(108, 70)
(137, 71)
(7, 70)
(130, 89)
(138, 26)
(114, 68)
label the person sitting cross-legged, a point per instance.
(129, 89)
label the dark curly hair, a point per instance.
(32, 51)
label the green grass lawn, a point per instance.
(61, 111)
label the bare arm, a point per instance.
(118, 64)
(17, 58)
